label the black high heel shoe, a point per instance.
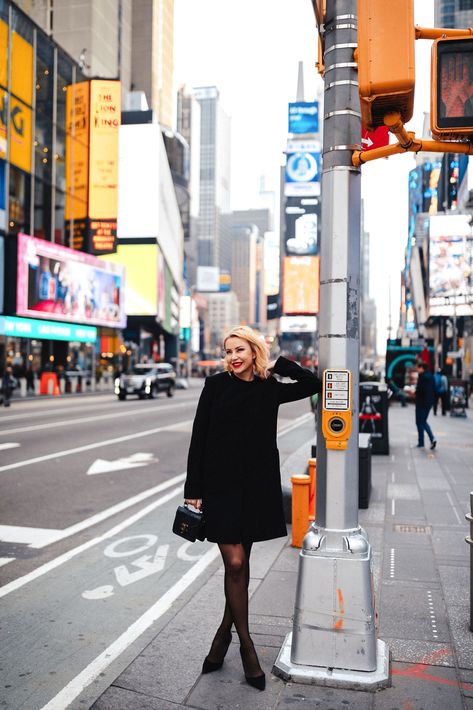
(211, 666)
(258, 681)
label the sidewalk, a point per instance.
(416, 526)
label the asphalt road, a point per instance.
(88, 562)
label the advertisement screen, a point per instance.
(301, 284)
(141, 290)
(59, 283)
(302, 216)
(303, 117)
(450, 266)
(302, 168)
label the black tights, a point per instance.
(236, 559)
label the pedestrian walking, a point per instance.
(8, 385)
(441, 392)
(233, 473)
(425, 394)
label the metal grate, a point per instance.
(422, 529)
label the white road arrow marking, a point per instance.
(99, 592)
(133, 461)
(8, 445)
(146, 564)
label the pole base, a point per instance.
(334, 677)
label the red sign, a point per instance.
(374, 139)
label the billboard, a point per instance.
(93, 121)
(67, 285)
(46, 330)
(142, 278)
(303, 117)
(302, 175)
(208, 278)
(301, 285)
(298, 324)
(302, 221)
(271, 260)
(450, 265)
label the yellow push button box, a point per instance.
(336, 408)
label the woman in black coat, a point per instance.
(233, 473)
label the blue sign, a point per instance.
(303, 117)
(47, 330)
(302, 168)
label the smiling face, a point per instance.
(239, 357)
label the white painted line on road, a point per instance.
(6, 560)
(99, 517)
(8, 445)
(85, 420)
(460, 521)
(27, 536)
(133, 461)
(393, 477)
(393, 507)
(73, 689)
(87, 447)
(52, 564)
(297, 422)
(392, 563)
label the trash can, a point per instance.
(364, 470)
(373, 415)
(469, 540)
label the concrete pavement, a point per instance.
(416, 526)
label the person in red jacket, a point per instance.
(233, 473)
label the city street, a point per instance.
(89, 490)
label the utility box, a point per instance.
(364, 470)
(386, 60)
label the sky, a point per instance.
(251, 50)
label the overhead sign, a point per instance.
(46, 329)
(208, 278)
(450, 266)
(302, 176)
(374, 139)
(303, 117)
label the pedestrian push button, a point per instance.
(336, 408)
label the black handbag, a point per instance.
(189, 524)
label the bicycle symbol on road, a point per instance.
(141, 567)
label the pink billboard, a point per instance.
(59, 283)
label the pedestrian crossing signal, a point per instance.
(451, 113)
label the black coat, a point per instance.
(425, 390)
(233, 462)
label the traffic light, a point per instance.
(386, 62)
(451, 110)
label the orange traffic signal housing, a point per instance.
(451, 96)
(386, 61)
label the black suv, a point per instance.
(147, 380)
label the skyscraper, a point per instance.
(214, 186)
(453, 13)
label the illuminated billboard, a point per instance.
(63, 284)
(302, 220)
(93, 122)
(303, 117)
(302, 175)
(450, 265)
(142, 277)
(301, 285)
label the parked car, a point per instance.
(147, 380)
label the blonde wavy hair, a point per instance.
(257, 345)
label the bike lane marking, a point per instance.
(52, 564)
(75, 687)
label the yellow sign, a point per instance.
(141, 278)
(105, 102)
(77, 150)
(3, 54)
(22, 69)
(20, 131)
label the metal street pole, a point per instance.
(334, 638)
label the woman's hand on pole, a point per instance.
(194, 502)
